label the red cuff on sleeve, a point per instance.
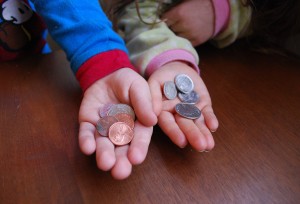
(102, 65)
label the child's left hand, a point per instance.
(181, 130)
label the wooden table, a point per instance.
(256, 158)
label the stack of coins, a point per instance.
(117, 123)
(183, 88)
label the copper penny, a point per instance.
(120, 133)
(126, 118)
(104, 124)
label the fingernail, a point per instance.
(202, 151)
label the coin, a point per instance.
(104, 123)
(184, 83)
(192, 97)
(123, 117)
(120, 133)
(188, 110)
(121, 108)
(104, 110)
(170, 90)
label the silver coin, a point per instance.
(103, 124)
(121, 108)
(184, 83)
(170, 90)
(188, 110)
(104, 110)
(192, 97)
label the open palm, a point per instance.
(180, 130)
(122, 86)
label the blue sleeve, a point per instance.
(81, 28)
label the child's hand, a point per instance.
(122, 86)
(181, 130)
(192, 19)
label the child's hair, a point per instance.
(118, 6)
(274, 22)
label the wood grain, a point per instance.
(256, 159)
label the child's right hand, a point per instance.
(181, 130)
(122, 86)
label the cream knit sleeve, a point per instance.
(147, 41)
(238, 24)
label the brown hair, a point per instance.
(116, 6)
(274, 22)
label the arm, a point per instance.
(85, 34)
(151, 46)
(99, 59)
(237, 25)
(221, 21)
(161, 55)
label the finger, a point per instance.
(192, 133)
(169, 22)
(170, 17)
(86, 138)
(180, 28)
(122, 168)
(142, 102)
(210, 143)
(210, 118)
(206, 107)
(201, 88)
(105, 153)
(156, 93)
(194, 40)
(138, 148)
(182, 34)
(168, 105)
(169, 126)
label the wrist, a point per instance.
(100, 66)
(171, 56)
